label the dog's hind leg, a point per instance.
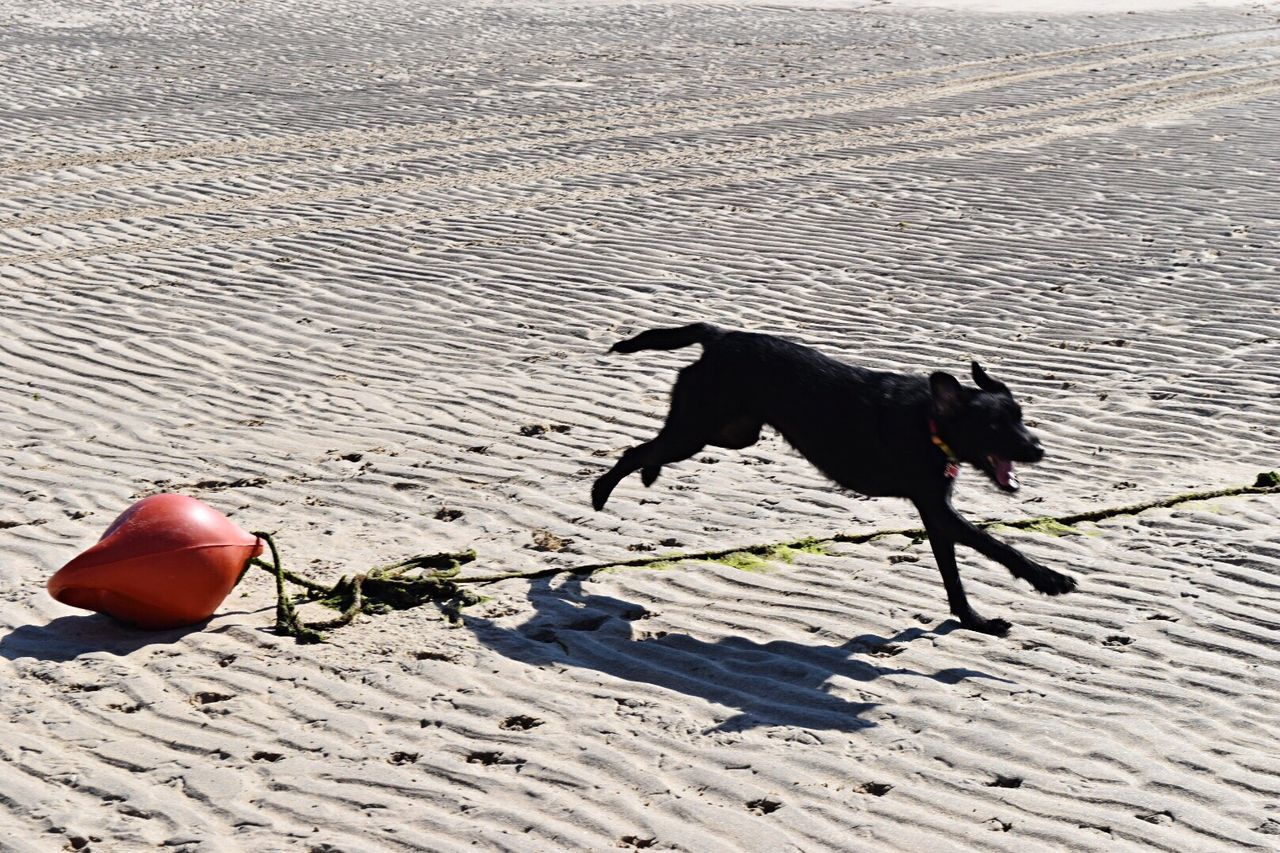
(668, 447)
(693, 423)
(736, 434)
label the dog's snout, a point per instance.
(1029, 448)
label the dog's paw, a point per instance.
(994, 627)
(1052, 583)
(600, 494)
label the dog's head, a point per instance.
(983, 426)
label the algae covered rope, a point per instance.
(390, 587)
(287, 621)
(1266, 483)
(379, 590)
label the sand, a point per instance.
(347, 272)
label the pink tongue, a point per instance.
(1004, 473)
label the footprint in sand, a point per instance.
(763, 806)
(520, 723)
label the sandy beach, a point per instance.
(348, 272)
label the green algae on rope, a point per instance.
(376, 591)
(391, 587)
(1267, 482)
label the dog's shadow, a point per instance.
(779, 683)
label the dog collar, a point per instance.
(953, 463)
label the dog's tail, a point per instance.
(697, 333)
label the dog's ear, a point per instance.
(948, 396)
(986, 383)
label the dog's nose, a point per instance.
(1029, 448)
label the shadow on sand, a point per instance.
(779, 683)
(68, 637)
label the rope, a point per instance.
(390, 587)
(376, 591)
(1267, 483)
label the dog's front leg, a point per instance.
(944, 552)
(940, 513)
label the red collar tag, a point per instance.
(953, 470)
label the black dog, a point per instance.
(873, 432)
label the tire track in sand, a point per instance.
(1032, 132)
(554, 121)
(696, 119)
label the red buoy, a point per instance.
(168, 560)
